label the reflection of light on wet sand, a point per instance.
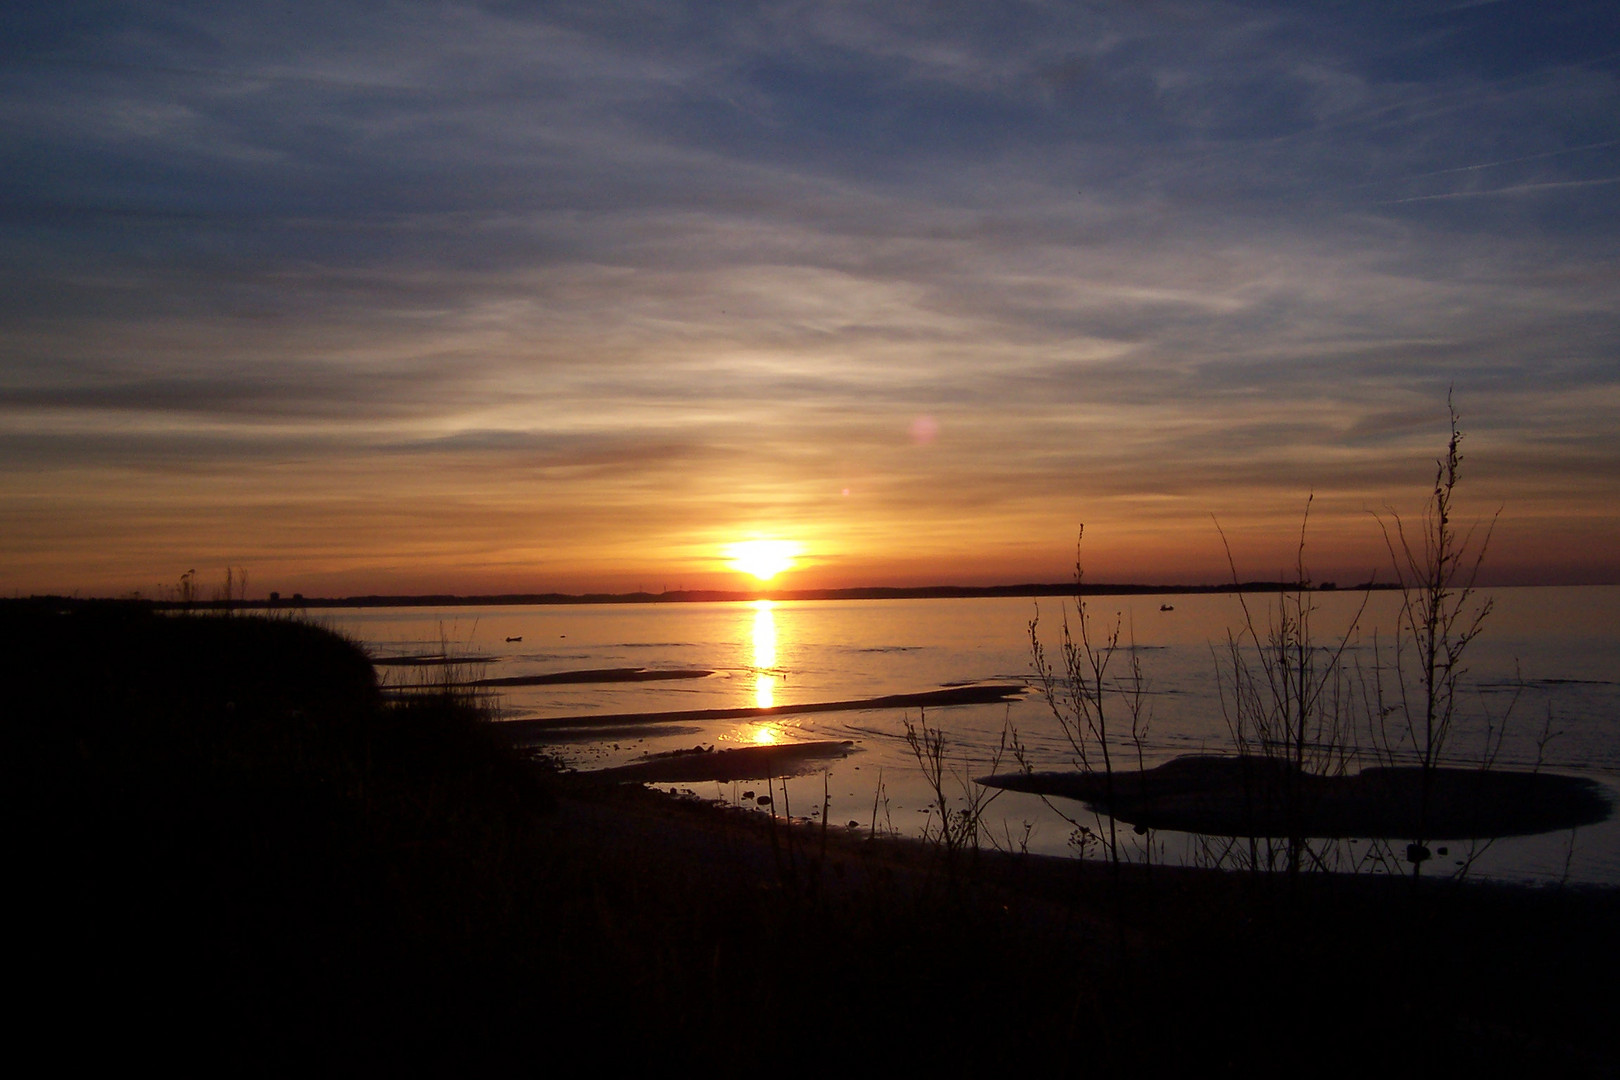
(770, 732)
(764, 690)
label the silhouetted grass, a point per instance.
(233, 854)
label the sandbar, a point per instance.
(742, 763)
(429, 660)
(1254, 796)
(595, 675)
(541, 728)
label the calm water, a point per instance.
(1549, 660)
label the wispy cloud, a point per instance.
(1512, 189)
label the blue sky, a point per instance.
(462, 297)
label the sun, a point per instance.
(762, 558)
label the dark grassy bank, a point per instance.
(236, 855)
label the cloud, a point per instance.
(604, 257)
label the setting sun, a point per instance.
(764, 559)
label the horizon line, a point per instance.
(275, 601)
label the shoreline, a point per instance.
(645, 804)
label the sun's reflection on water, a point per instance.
(764, 655)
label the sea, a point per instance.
(1539, 688)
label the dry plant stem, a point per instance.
(1079, 703)
(789, 833)
(826, 812)
(1079, 697)
(1441, 614)
(960, 826)
(877, 794)
(1134, 692)
(234, 592)
(783, 869)
(1290, 703)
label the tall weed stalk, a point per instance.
(958, 802)
(1083, 696)
(1417, 686)
(1287, 704)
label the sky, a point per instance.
(473, 298)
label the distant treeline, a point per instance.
(696, 596)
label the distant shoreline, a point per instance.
(711, 596)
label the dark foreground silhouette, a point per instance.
(230, 853)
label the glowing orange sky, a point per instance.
(471, 530)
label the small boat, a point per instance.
(518, 638)
(1162, 607)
